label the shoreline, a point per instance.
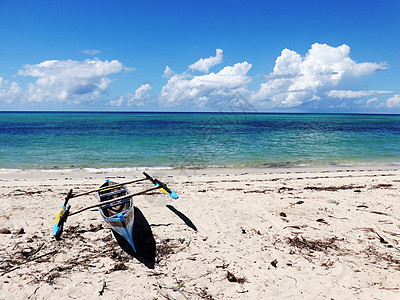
(91, 173)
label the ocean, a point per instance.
(94, 140)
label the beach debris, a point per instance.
(392, 233)
(20, 231)
(375, 212)
(383, 258)
(180, 283)
(362, 206)
(119, 267)
(274, 263)
(119, 256)
(101, 292)
(282, 214)
(164, 249)
(381, 239)
(292, 226)
(257, 191)
(285, 189)
(50, 276)
(5, 265)
(316, 245)
(334, 188)
(376, 266)
(339, 218)
(32, 251)
(203, 294)
(382, 186)
(224, 265)
(379, 213)
(298, 202)
(232, 278)
(27, 260)
(328, 264)
(321, 221)
(162, 290)
(5, 231)
(94, 228)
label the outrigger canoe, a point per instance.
(115, 204)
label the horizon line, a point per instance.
(196, 112)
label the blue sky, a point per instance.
(276, 56)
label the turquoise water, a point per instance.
(59, 140)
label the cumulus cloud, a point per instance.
(167, 72)
(9, 92)
(296, 79)
(372, 100)
(136, 99)
(204, 64)
(342, 94)
(119, 101)
(69, 81)
(200, 90)
(307, 81)
(393, 102)
(140, 94)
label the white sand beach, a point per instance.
(290, 233)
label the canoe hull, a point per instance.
(119, 217)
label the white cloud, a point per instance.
(200, 90)
(118, 102)
(204, 64)
(9, 92)
(140, 94)
(356, 94)
(309, 81)
(296, 79)
(136, 99)
(68, 80)
(393, 102)
(167, 72)
(91, 51)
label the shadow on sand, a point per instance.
(185, 219)
(143, 239)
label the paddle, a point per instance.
(163, 186)
(61, 217)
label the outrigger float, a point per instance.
(115, 204)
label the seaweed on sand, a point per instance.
(313, 245)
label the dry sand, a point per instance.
(232, 234)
